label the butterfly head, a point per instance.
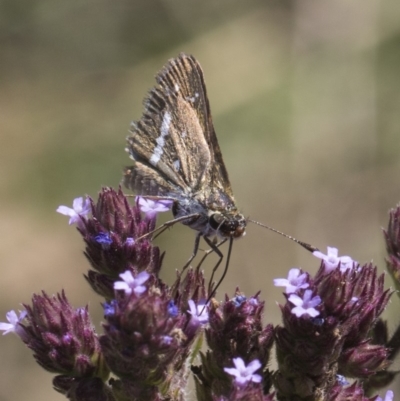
(228, 224)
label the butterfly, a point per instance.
(177, 156)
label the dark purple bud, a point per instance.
(363, 361)
(63, 338)
(352, 393)
(392, 237)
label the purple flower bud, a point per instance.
(392, 238)
(63, 338)
(363, 360)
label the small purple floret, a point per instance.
(109, 307)
(332, 260)
(14, 323)
(238, 300)
(244, 374)
(104, 240)
(199, 313)
(172, 309)
(151, 207)
(131, 283)
(80, 208)
(305, 305)
(294, 282)
(130, 241)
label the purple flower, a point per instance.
(104, 240)
(199, 313)
(166, 340)
(342, 380)
(151, 207)
(305, 305)
(131, 283)
(80, 208)
(254, 301)
(109, 307)
(388, 396)
(244, 374)
(14, 323)
(238, 300)
(130, 241)
(294, 282)
(332, 260)
(173, 310)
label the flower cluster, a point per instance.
(328, 327)
(332, 344)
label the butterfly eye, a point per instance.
(216, 220)
(227, 227)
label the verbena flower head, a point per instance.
(147, 338)
(116, 241)
(63, 340)
(244, 374)
(235, 331)
(340, 344)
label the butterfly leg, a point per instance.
(159, 230)
(211, 290)
(215, 249)
(194, 253)
(208, 251)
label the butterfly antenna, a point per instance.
(309, 247)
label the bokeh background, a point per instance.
(305, 97)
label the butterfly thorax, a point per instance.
(212, 218)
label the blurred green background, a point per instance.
(305, 97)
